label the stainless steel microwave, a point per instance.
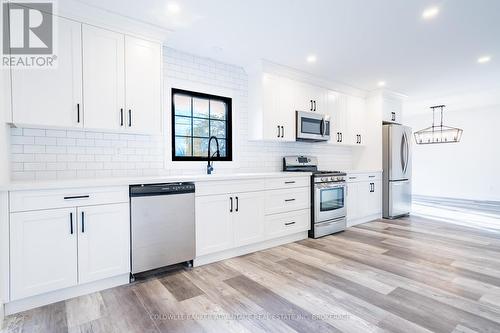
(312, 126)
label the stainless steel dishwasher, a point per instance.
(162, 225)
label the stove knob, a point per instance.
(334, 179)
(324, 179)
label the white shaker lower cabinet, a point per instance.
(224, 221)
(364, 197)
(264, 214)
(214, 224)
(43, 251)
(103, 241)
(55, 248)
(248, 218)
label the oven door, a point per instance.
(329, 201)
(312, 126)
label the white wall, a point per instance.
(468, 169)
(61, 154)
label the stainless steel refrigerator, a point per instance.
(397, 170)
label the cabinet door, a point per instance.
(43, 251)
(270, 104)
(143, 85)
(214, 224)
(52, 96)
(319, 97)
(392, 109)
(103, 241)
(356, 123)
(352, 201)
(248, 218)
(286, 107)
(103, 78)
(337, 110)
(375, 198)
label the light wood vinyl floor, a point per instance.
(406, 275)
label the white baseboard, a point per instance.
(369, 218)
(64, 294)
(210, 258)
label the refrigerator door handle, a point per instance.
(402, 150)
(407, 152)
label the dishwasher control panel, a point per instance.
(161, 189)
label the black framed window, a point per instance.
(195, 118)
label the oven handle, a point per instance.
(323, 186)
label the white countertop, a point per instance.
(125, 181)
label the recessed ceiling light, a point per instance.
(311, 58)
(173, 7)
(430, 12)
(381, 83)
(483, 59)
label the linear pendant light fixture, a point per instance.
(439, 133)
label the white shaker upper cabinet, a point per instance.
(103, 79)
(52, 96)
(143, 85)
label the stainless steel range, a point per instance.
(328, 210)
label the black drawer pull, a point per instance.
(290, 182)
(289, 223)
(288, 200)
(371, 176)
(77, 197)
(71, 223)
(83, 222)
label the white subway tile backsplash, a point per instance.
(22, 140)
(34, 149)
(33, 132)
(76, 153)
(56, 133)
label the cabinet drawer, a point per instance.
(281, 201)
(364, 177)
(287, 182)
(228, 186)
(62, 198)
(287, 223)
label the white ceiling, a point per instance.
(357, 42)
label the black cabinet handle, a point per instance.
(393, 116)
(231, 209)
(77, 197)
(289, 223)
(282, 131)
(121, 117)
(129, 118)
(237, 203)
(83, 222)
(71, 223)
(341, 137)
(78, 112)
(290, 182)
(360, 139)
(314, 105)
(279, 131)
(288, 200)
(311, 104)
